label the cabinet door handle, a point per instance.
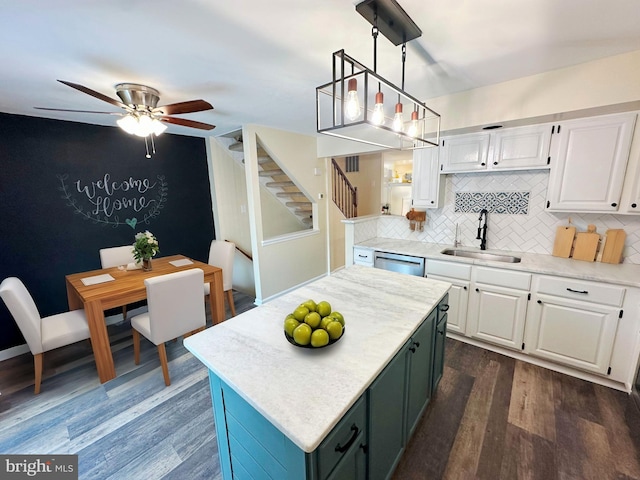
(495, 163)
(444, 308)
(634, 205)
(362, 256)
(584, 292)
(614, 204)
(413, 349)
(477, 289)
(417, 344)
(346, 446)
(465, 287)
(483, 164)
(540, 302)
(441, 332)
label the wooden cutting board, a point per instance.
(563, 241)
(614, 244)
(586, 245)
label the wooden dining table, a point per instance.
(127, 287)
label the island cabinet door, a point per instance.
(419, 370)
(438, 352)
(353, 466)
(386, 397)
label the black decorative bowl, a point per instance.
(331, 342)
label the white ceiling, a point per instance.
(259, 61)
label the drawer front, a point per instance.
(449, 269)
(338, 442)
(362, 255)
(581, 290)
(503, 278)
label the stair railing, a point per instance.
(345, 195)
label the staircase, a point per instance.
(276, 181)
(345, 195)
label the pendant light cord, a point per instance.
(404, 58)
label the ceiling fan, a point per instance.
(142, 116)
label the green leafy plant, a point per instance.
(145, 246)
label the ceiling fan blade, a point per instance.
(183, 107)
(77, 111)
(95, 94)
(186, 123)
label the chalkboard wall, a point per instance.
(68, 189)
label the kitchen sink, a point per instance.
(454, 252)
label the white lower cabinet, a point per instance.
(498, 306)
(458, 276)
(363, 256)
(574, 322)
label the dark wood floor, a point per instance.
(493, 417)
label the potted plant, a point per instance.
(145, 247)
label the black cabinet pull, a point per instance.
(413, 349)
(444, 308)
(346, 446)
(634, 205)
(614, 204)
(483, 164)
(440, 332)
(362, 256)
(465, 287)
(540, 302)
(584, 292)
(477, 289)
(417, 344)
(495, 163)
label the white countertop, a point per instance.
(619, 274)
(305, 392)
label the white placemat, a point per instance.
(97, 279)
(181, 263)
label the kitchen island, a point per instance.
(276, 405)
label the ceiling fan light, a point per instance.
(145, 126)
(128, 123)
(158, 127)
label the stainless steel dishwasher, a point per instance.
(399, 263)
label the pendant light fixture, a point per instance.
(347, 111)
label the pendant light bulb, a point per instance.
(398, 124)
(352, 106)
(377, 118)
(413, 126)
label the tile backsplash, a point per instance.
(517, 220)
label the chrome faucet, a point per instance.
(482, 229)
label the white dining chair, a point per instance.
(175, 308)
(41, 334)
(114, 257)
(221, 255)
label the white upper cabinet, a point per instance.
(588, 163)
(427, 187)
(465, 153)
(519, 148)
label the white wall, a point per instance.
(604, 82)
(288, 261)
(230, 213)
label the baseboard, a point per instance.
(13, 351)
(110, 320)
